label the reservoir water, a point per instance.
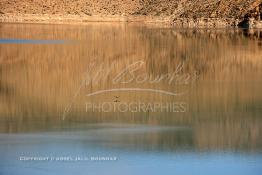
(113, 98)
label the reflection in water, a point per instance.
(220, 71)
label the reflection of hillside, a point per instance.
(55, 71)
(44, 78)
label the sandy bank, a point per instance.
(80, 19)
(169, 21)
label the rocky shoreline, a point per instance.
(217, 23)
(179, 13)
(80, 19)
(156, 20)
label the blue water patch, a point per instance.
(31, 41)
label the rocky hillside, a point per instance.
(175, 8)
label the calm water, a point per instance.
(152, 100)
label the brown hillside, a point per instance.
(175, 8)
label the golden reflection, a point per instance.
(39, 81)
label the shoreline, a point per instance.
(79, 19)
(167, 21)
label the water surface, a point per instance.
(47, 73)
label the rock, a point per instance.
(257, 24)
(251, 22)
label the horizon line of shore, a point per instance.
(167, 21)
